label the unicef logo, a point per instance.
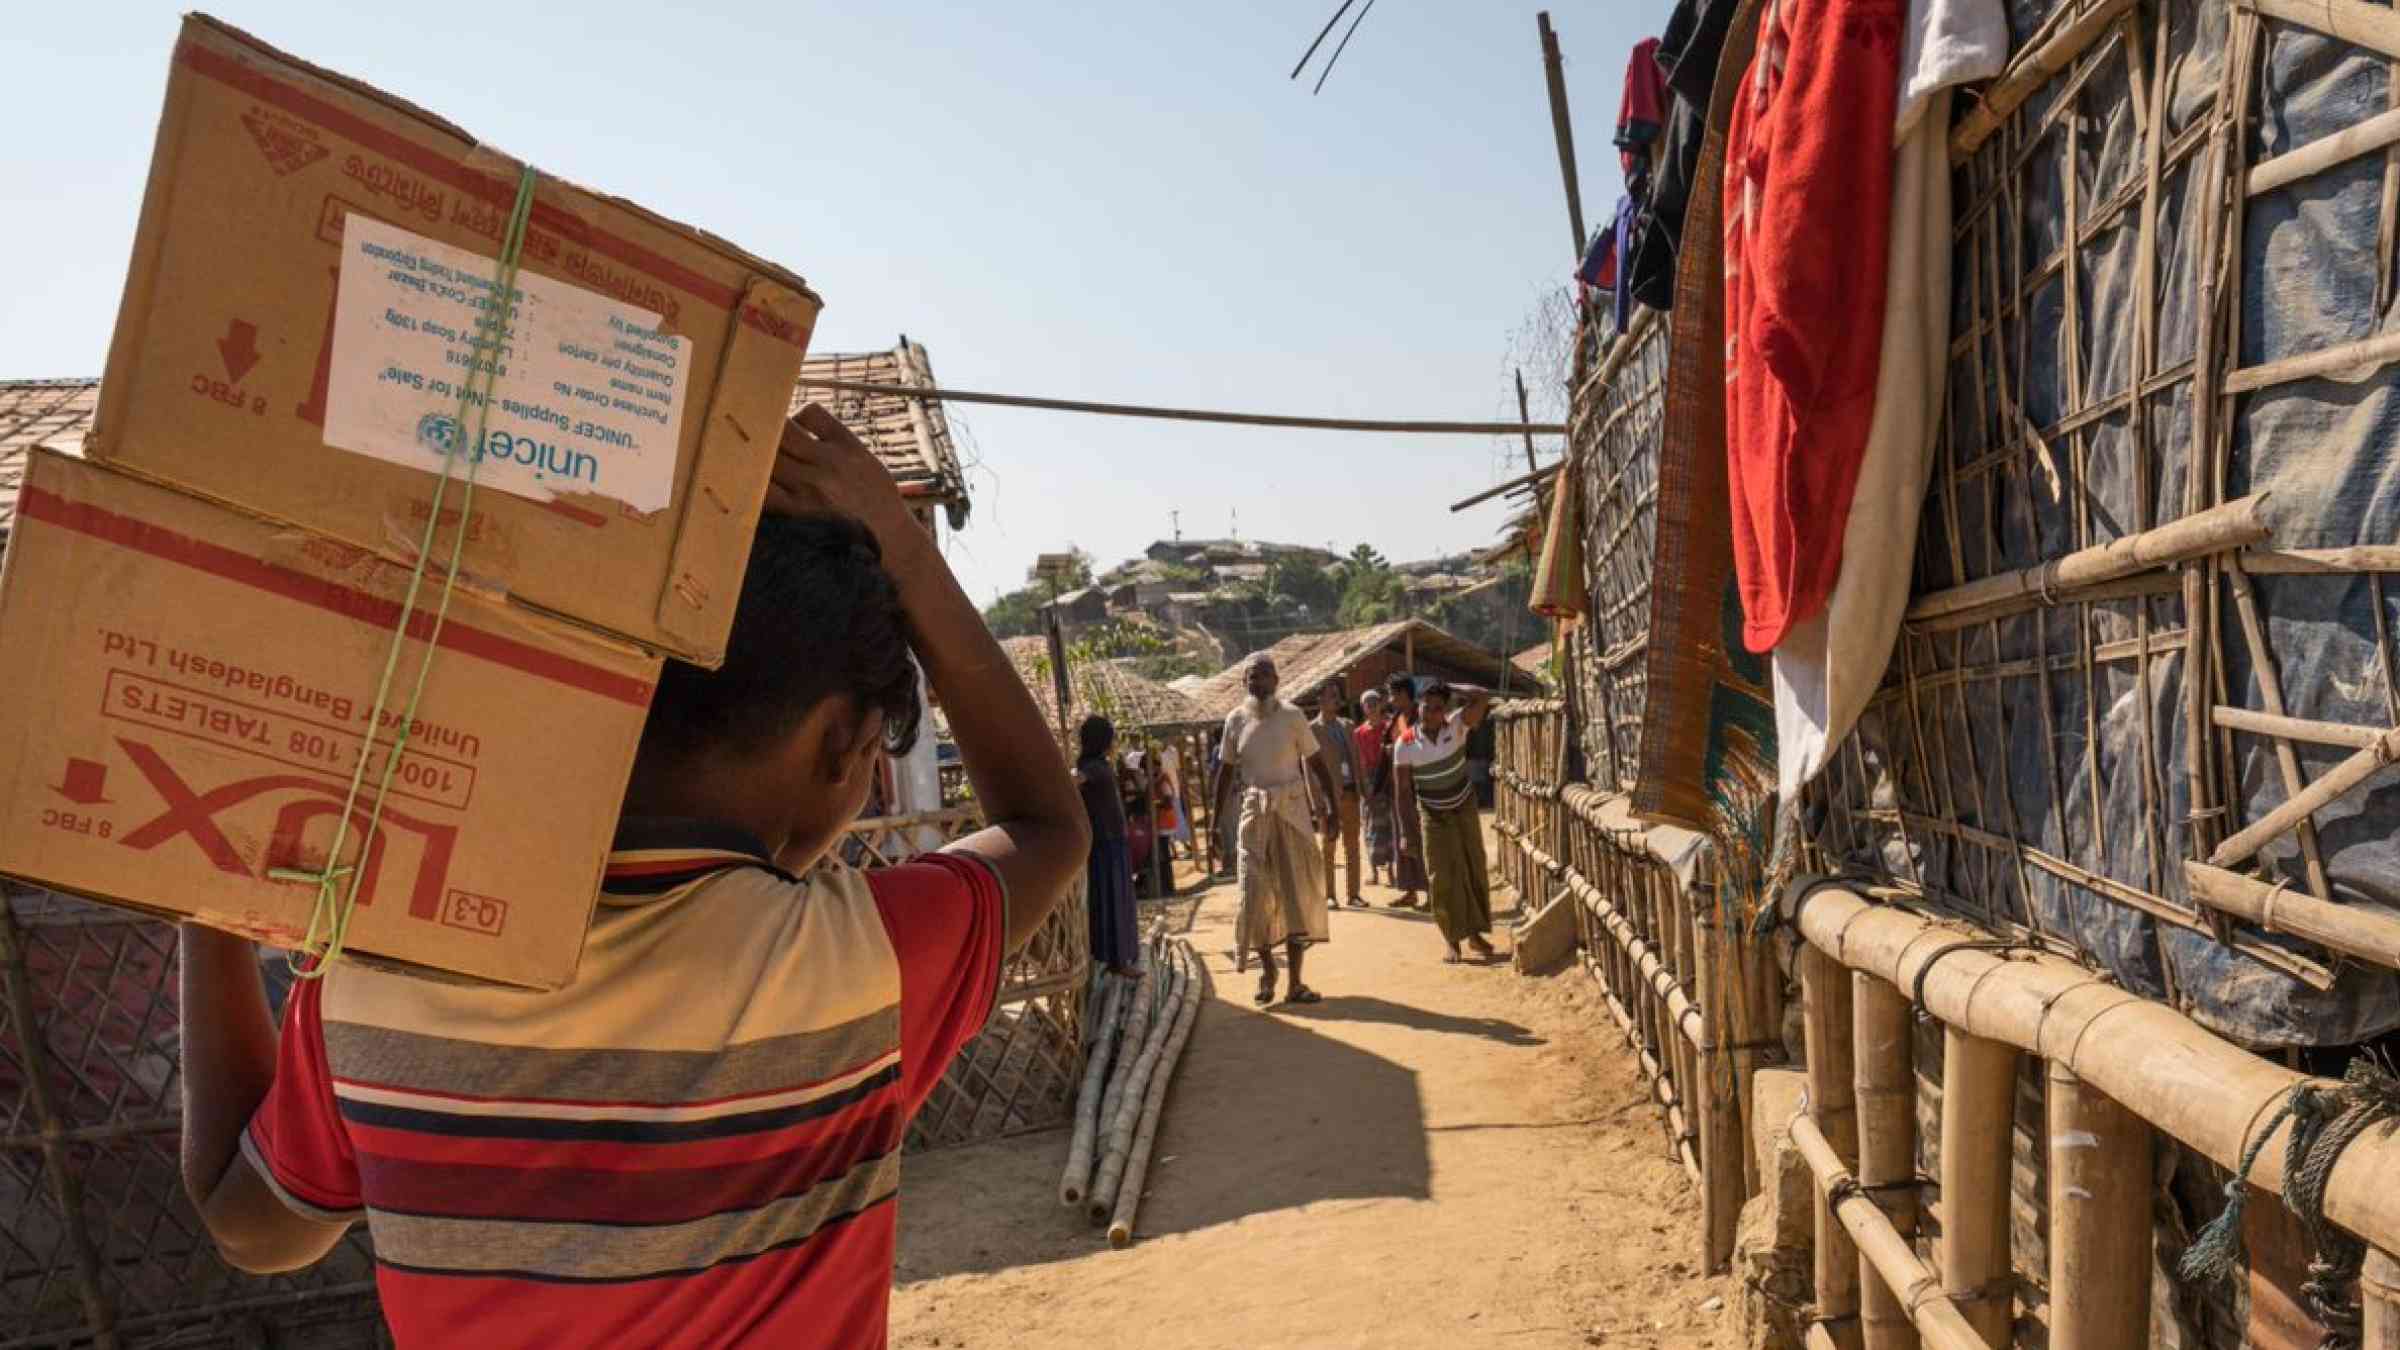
(437, 432)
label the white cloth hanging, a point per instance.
(1827, 668)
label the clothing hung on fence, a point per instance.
(1808, 175)
(1828, 666)
(1629, 214)
(1687, 56)
(1641, 113)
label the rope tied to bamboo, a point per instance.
(2326, 1117)
(1916, 990)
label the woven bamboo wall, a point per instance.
(97, 1243)
(1612, 437)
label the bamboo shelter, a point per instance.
(2099, 918)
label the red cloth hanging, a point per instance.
(1642, 112)
(1808, 182)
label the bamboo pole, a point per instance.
(2100, 1231)
(1562, 127)
(1825, 1004)
(2027, 74)
(2321, 561)
(2371, 935)
(1143, 1004)
(1073, 1185)
(1886, 1085)
(1979, 1093)
(1660, 1089)
(2205, 1092)
(2374, 27)
(1888, 1257)
(2379, 1301)
(2360, 766)
(1137, 1166)
(1121, 1126)
(2236, 524)
(2348, 734)
(2350, 142)
(1723, 1175)
(1650, 980)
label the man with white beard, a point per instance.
(1287, 796)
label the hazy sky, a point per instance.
(1117, 202)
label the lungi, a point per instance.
(1378, 819)
(1411, 871)
(1283, 893)
(1461, 892)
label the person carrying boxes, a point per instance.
(697, 1141)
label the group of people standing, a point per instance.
(1309, 785)
(1300, 789)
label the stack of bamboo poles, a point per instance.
(1139, 1028)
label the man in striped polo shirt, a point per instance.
(697, 1143)
(1434, 766)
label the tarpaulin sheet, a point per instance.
(2049, 729)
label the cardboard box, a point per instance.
(298, 324)
(189, 690)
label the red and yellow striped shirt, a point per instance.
(695, 1143)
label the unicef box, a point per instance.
(300, 320)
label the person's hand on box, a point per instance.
(821, 466)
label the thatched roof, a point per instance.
(1307, 660)
(910, 436)
(55, 413)
(1134, 702)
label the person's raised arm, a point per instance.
(1038, 837)
(1475, 705)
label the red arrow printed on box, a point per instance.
(239, 347)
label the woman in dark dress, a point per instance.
(1116, 940)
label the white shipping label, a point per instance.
(586, 395)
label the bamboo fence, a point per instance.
(2100, 836)
(1698, 1006)
(98, 1245)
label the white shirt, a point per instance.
(1270, 751)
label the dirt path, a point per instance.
(1435, 1156)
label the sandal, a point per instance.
(1483, 949)
(1266, 992)
(1301, 993)
(1453, 958)
(1358, 902)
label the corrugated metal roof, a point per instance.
(911, 436)
(55, 413)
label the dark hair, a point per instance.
(1440, 689)
(1401, 684)
(1094, 737)
(818, 617)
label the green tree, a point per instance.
(1018, 613)
(1304, 583)
(1370, 589)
